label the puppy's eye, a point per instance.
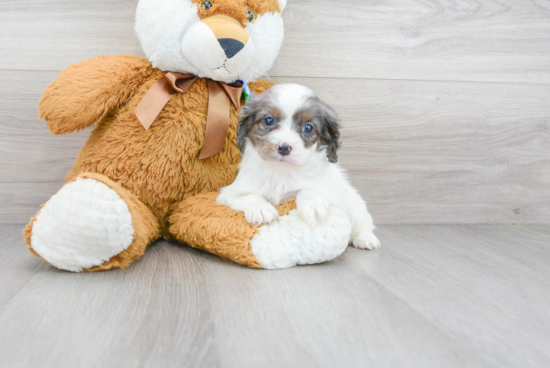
(207, 5)
(251, 16)
(269, 121)
(308, 129)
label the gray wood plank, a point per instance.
(37, 35)
(464, 296)
(493, 40)
(180, 307)
(154, 313)
(420, 152)
(17, 267)
(489, 40)
(320, 303)
(484, 284)
(33, 162)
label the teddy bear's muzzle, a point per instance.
(229, 32)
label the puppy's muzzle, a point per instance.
(229, 32)
(284, 149)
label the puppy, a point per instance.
(290, 140)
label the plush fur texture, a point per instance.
(291, 139)
(159, 166)
(99, 223)
(129, 186)
(201, 223)
(289, 241)
(121, 149)
(78, 243)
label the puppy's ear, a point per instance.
(330, 133)
(247, 117)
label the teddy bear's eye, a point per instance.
(251, 16)
(207, 5)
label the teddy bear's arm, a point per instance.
(85, 92)
(260, 86)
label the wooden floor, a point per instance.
(434, 296)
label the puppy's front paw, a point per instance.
(314, 210)
(366, 240)
(262, 213)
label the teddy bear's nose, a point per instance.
(230, 46)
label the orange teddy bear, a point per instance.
(164, 143)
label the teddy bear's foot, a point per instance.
(290, 241)
(286, 242)
(90, 225)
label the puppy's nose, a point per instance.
(230, 46)
(284, 149)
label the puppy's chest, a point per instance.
(279, 188)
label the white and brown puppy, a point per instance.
(290, 140)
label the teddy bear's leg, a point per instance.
(289, 241)
(202, 223)
(91, 224)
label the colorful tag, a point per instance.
(247, 93)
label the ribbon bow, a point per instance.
(219, 96)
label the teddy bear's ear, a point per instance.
(282, 4)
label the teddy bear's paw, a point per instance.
(84, 225)
(261, 213)
(366, 240)
(290, 241)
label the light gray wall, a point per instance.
(445, 104)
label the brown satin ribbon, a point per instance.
(219, 97)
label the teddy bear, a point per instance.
(164, 143)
